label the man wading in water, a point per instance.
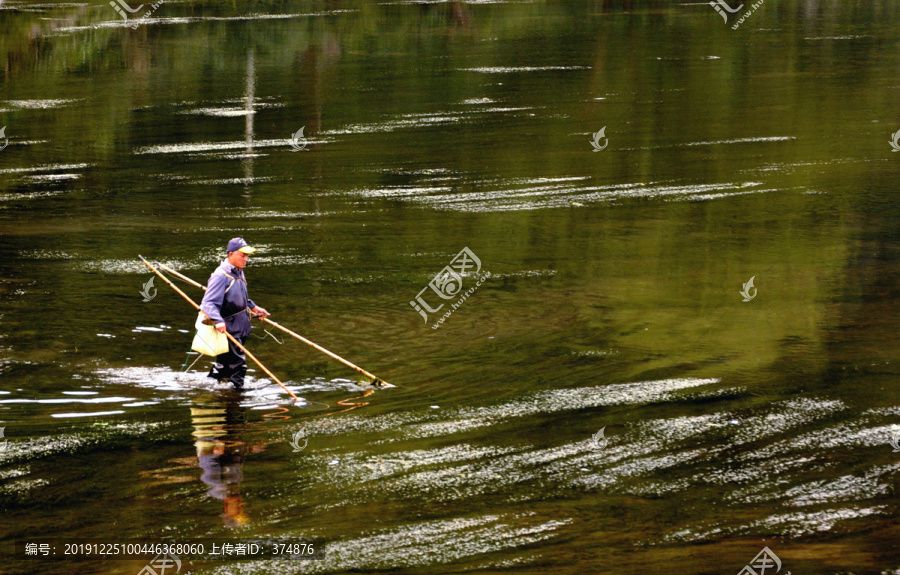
(227, 304)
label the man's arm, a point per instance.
(256, 310)
(214, 296)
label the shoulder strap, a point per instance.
(233, 279)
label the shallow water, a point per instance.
(604, 401)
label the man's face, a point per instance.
(238, 259)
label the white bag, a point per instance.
(208, 340)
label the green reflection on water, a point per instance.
(760, 152)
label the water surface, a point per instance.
(613, 300)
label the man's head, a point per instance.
(239, 252)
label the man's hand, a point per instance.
(259, 312)
(220, 327)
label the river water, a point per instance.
(602, 179)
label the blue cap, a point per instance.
(239, 245)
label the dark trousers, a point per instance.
(231, 365)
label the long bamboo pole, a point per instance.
(230, 337)
(376, 381)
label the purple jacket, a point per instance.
(226, 299)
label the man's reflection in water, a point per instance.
(218, 425)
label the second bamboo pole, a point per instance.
(230, 337)
(376, 381)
